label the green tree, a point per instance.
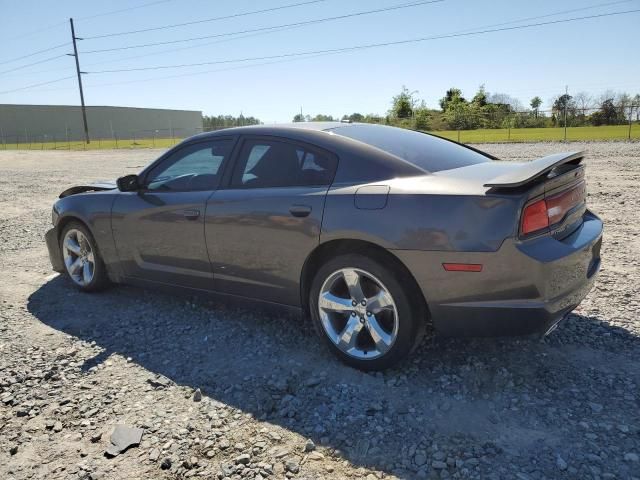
(453, 95)
(480, 98)
(422, 117)
(535, 103)
(402, 104)
(354, 117)
(323, 118)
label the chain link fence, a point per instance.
(468, 126)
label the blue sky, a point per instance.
(592, 55)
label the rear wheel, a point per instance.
(362, 310)
(82, 261)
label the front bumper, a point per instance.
(525, 287)
(55, 254)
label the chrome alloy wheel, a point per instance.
(358, 313)
(78, 257)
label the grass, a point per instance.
(609, 132)
(95, 144)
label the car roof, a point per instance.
(273, 128)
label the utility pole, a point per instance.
(566, 102)
(75, 54)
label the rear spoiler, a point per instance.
(530, 171)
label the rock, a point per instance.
(166, 464)
(315, 456)
(13, 450)
(631, 457)
(309, 446)
(154, 455)
(122, 438)
(197, 395)
(438, 464)
(420, 459)
(595, 407)
(243, 459)
(560, 463)
(57, 427)
(292, 465)
(95, 438)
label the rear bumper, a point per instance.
(53, 245)
(525, 287)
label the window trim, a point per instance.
(144, 175)
(227, 178)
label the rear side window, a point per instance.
(427, 152)
(272, 163)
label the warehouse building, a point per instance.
(42, 123)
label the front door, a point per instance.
(262, 227)
(159, 230)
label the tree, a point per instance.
(564, 108)
(323, 118)
(583, 101)
(301, 118)
(422, 117)
(354, 117)
(535, 103)
(608, 114)
(402, 104)
(453, 95)
(480, 98)
(505, 99)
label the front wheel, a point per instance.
(362, 309)
(82, 260)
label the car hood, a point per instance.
(90, 187)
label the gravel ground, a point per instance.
(223, 391)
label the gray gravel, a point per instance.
(223, 391)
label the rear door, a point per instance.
(262, 226)
(159, 230)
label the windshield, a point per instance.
(428, 152)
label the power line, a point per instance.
(371, 45)
(262, 29)
(113, 12)
(35, 53)
(34, 32)
(59, 24)
(36, 85)
(159, 52)
(33, 63)
(214, 19)
(573, 10)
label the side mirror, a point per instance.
(128, 183)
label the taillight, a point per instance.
(534, 217)
(551, 210)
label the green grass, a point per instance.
(617, 132)
(609, 132)
(95, 144)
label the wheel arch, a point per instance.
(333, 248)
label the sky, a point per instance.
(591, 55)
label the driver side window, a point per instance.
(192, 168)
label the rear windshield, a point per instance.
(428, 152)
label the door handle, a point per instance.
(300, 210)
(191, 214)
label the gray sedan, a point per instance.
(373, 231)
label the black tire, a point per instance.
(100, 279)
(409, 303)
